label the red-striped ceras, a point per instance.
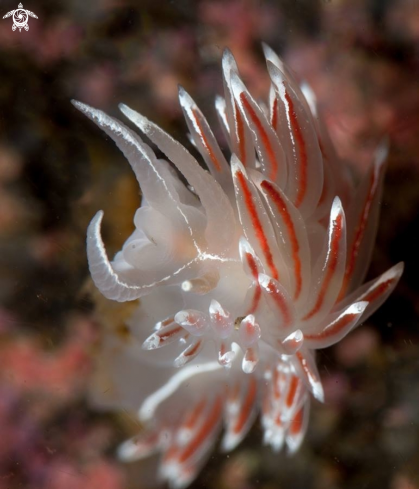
(262, 256)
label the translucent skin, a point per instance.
(242, 274)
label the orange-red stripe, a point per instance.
(280, 302)
(170, 454)
(167, 321)
(263, 134)
(147, 441)
(298, 135)
(246, 408)
(266, 404)
(254, 270)
(234, 392)
(257, 225)
(359, 234)
(203, 432)
(251, 355)
(275, 383)
(194, 415)
(297, 422)
(193, 350)
(164, 335)
(292, 391)
(274, 116)
(334, 253)
(205, 142)
(381, 289)
(295, 247)
(339, 325)
(305, 367)
(252, 265)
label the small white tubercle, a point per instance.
(195, 322)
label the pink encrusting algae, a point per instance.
(262, 257)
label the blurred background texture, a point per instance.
(361, 58)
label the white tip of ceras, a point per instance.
(277, 440)
(317, 391)
(357, 307)
(393, 273)
(275, 73)
(188, 354)
(195, 322)
(165, 335)
(128, 451)
(237, 86)
(152, 342)
(228, 62)
(236, 164)
(244, 247)
(250, 359)
(191, 139)
(223, 327)
(216, 308)
(337, 208)
(229, 442)
(250, 261)
(185, 100)
(226, 356)
(139, 120)
(81, 106)
(136, 449)
(221, 321)
(180, 480)
(271, 56)
(249, 331)
(381, 152)
(293, 342)
(249, 334)
(264, 280)
(93, 114)
(310, 97)
(220, 104)
(293, 444)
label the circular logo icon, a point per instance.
(20, 19)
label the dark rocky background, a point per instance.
(56, 169)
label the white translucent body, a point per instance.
(241, 275)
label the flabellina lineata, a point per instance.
(242, 272)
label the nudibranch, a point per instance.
(243, 269)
